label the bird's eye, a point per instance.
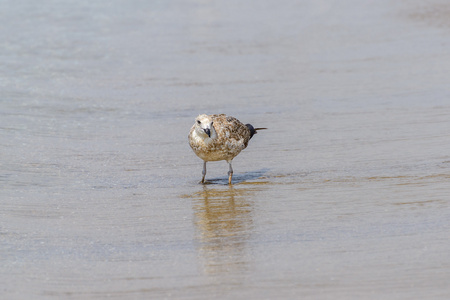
(198, 122)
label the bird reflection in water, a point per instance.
(224, 224)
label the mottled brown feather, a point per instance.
(232, 138)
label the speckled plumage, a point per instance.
(219, 137)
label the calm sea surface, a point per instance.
(346, 196)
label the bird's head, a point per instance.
(204, 126)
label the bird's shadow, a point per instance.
(238, 178)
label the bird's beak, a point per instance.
(207, 131)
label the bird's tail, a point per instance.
(253, 130)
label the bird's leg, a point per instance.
(204, 172)
(230, 173)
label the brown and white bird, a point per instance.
(219, 137)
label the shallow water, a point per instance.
(344, 197)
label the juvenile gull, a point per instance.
(219, 137)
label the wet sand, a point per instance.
(346, 196)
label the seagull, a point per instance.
(219, 137)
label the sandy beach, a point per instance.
(345, 196)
